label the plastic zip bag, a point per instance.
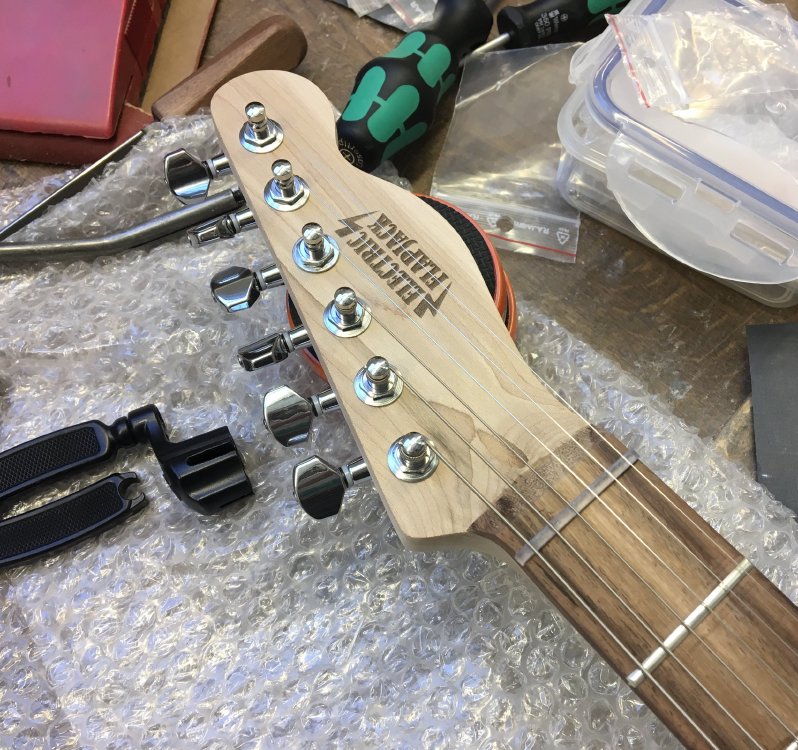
(733, 71)
(413, 12)
(364, 7)
(680, 59)
(384, 14)
(499, 162)
(767, 122)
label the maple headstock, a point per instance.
(412, 297)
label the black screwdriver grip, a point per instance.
(55, 455)
(555, 21)
(395, 96)
(68, 519)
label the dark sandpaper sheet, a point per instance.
(773, 359)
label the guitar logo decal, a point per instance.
(397, 260)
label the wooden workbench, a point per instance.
(680, 333)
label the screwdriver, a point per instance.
(550, 22)
(395, 96)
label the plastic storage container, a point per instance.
(687, 191)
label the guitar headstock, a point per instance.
(420, 361)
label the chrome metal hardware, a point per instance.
(189, 178)
(259, 134)
(238, 288)
(320, 487)
(288, 416)
(272, 349)
(315, 251)
(378, 384)
(346, 315)
(285, 191)
(688, 625)
(222, 228)
(412, 457)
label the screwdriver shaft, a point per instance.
(500, 42)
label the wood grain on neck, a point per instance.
(639, 560)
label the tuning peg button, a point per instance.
(320, 487)
(272, 349)
(189, 178)
(238, 288)
(288, 416)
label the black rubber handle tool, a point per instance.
(206, 472)
(68, 519)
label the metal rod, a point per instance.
(74, 186)
(142, 234)
(498, 43)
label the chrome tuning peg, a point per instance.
(222, 228)
(272, 349)
(189, 178)
(320, 487)
(288, 416)
(285, 191)
(238, 288)
(259, 134)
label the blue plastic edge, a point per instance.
(609, 112)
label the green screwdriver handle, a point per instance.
(396, 95)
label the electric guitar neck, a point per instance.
(468, 448)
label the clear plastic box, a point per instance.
(689, 192)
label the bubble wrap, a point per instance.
(262, 628)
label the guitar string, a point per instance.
(403, 312)
(634, 468)
(615, 450)
(585, 606)
(590, 567)
(507, 482)
(698, 598)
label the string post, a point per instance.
(412, 457)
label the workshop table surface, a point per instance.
(679, 332)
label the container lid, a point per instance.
(713, 203)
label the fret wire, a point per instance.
(578, 479)
(658, 490)
(554, 530)
(583, 603)
(687, 625)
